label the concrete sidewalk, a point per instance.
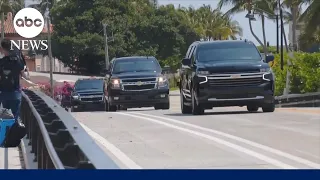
(14, 158)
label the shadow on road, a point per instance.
(214, 113)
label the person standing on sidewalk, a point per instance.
(12, 68)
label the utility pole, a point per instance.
(50, 51)
(277, 20)
(287, 87)
(281, 34)
(106, 48)
(2, 26)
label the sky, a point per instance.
(271, 27)
(29, 2)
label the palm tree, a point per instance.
(295, 9)
(261, 7)
(311, 16)
(211, 24)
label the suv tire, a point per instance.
(252, 108)
(268, 107)
(197, 109)
(184, 109)
(111, 108)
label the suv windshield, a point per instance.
(136, 65)
(89, 84)
(228, 52)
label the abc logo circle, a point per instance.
(28, 22)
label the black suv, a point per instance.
(88, 94)
(136, 82)
(226, 73)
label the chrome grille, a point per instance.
(91, 97)
(138, 88)
(137, 80)
(138, 84)
(232, 80)
(237, 72)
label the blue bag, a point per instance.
(5, 125)
(11, 131)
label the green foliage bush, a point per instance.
(305, 73)
(271, 49)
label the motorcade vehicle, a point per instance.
(88, 94)
(226, 73)
(135, 82)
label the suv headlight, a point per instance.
(162, 81)
(266, 70)
(75, 96)
(115, 83)
(267, 74)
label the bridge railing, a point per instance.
(56, 139)
(299, 100)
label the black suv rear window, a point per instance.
(88, 84)
(228, 52)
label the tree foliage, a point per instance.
(138, 27)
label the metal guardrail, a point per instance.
(56, 139)
(299, 100)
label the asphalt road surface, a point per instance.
(222, 138)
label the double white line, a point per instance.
(247, 147)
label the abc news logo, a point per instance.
(29, 23)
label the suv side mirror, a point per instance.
(269, 58)
(186, 62)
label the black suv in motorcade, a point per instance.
(134, 82)
(226, 73)
(88, 94)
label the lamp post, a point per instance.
(272, 16)
(251, 17)
(106, 41)
(106, 48)
(50, 50)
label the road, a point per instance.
(222, 138)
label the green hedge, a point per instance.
(305, 73)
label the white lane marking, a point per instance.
(239, 139)
(218, 140)
(112, 148)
